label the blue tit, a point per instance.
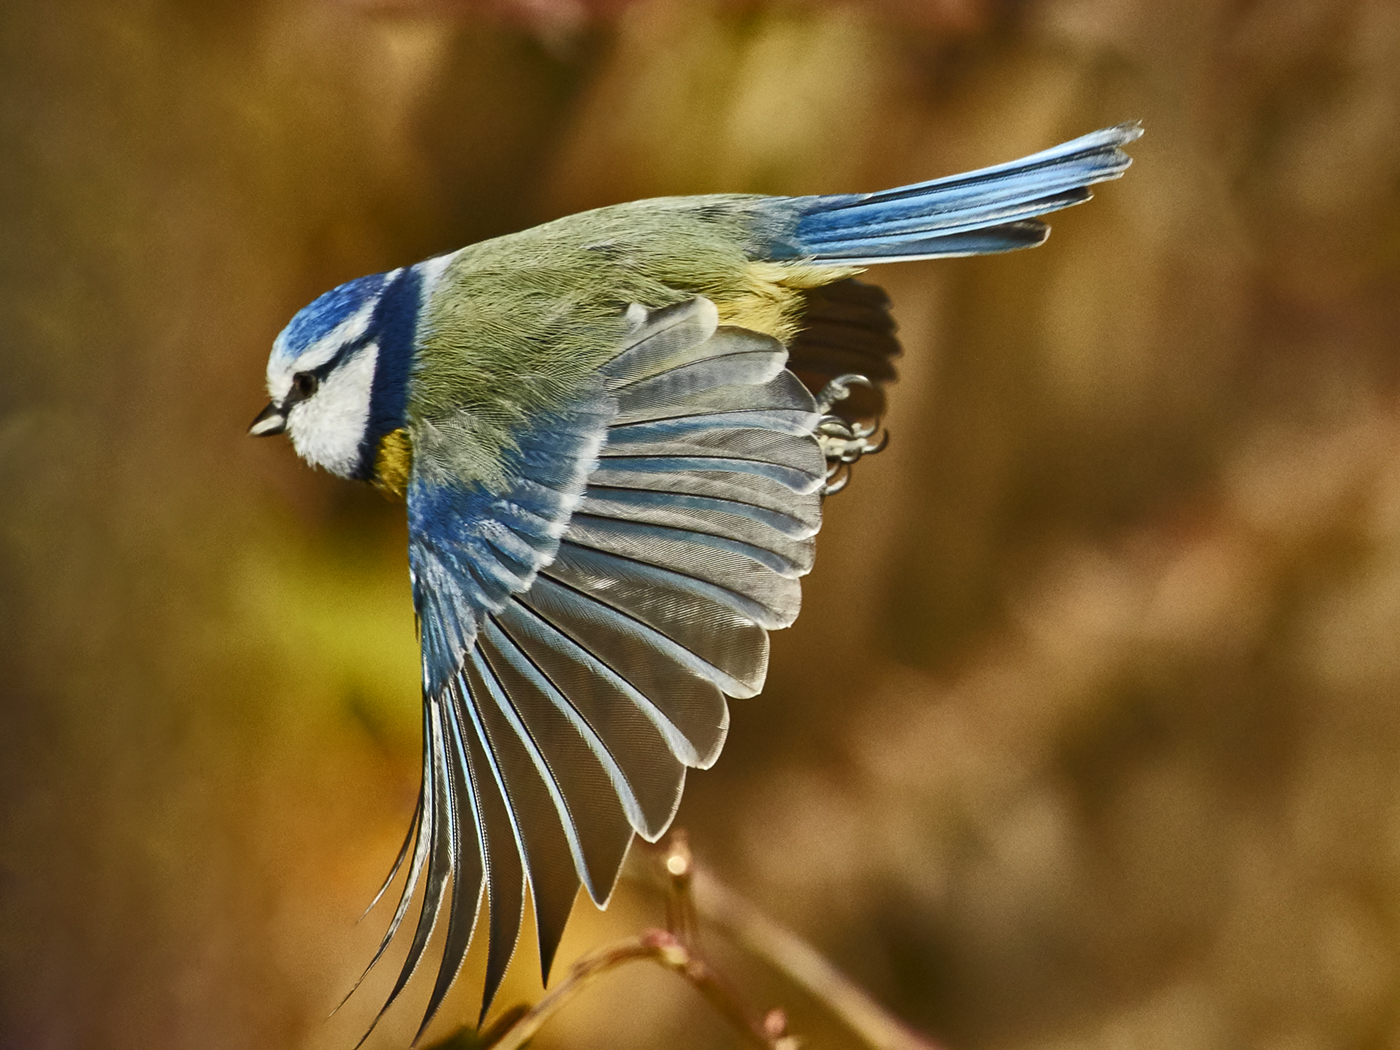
(613, 433)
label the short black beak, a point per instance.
(271, 420)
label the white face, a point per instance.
(328, 426)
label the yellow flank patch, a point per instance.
(392, 463)
(770, 300)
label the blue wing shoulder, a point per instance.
(472, 545)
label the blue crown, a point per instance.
(321, 317)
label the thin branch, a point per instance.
(678, 863)
(693, 893)
(664, 949)
(802, 963)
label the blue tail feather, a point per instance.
(994, 239)
(989, 210)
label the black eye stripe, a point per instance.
(321, 371)
(343, 354)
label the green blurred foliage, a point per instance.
(1088, 735)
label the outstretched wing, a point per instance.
(583, 623)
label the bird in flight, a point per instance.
(613, 433)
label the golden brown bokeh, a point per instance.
(1089, 735)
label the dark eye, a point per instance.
(303, 385)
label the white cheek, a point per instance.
(327, 429)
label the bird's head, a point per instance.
(338, 374)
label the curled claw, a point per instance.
(833, 431)
(839, 389)
(844, 442)
(879, 446)
(844, 479)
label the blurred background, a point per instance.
(1089, 735)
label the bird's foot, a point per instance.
(843, 442)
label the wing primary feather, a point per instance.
(631, 733)
(422, 840)
(439, 863)
(527, 625)
(467, 863)
(694, 727)
(718, 628)
(566, 605)
(505, 877)
(535, 807)
(403, 853)
(550, 689)
(568, 760)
